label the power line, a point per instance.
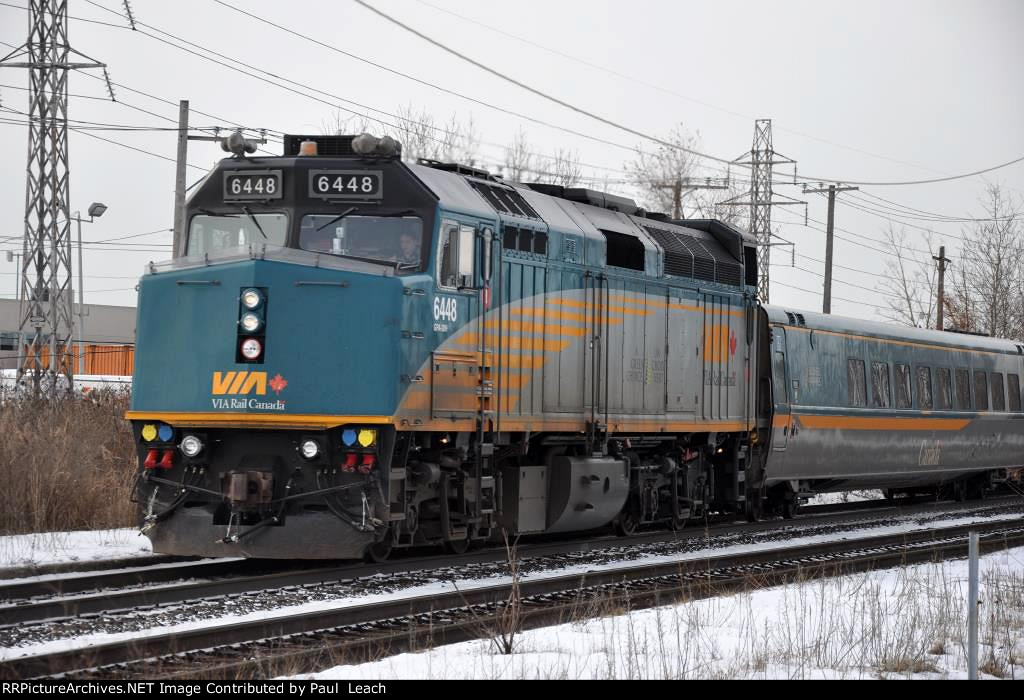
(661, 88)
(930, 181)
(507, 78)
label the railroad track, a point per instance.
(92, 593)
(354, 631)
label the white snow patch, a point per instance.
(900, 623)
(447, 586)
(77, 546)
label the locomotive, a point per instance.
(350, 354)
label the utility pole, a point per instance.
(181, 164)
(179, 177)
(46, 307)
(682, 185)
(826, 304)
(942, 260)
(761, 198)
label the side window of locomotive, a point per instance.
(980, 390)
(467, 239)
(995, 380)
(963, 390)
(924, 388)
(880, 385)
(856, 382)
(1014, 390)
(449, 254)
(781, 389)
(944, 399)
(903, 398)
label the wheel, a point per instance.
(378, 552)
(457, 546)
(753, 508)
(789, 509)
(627, 523)
(959, 491)
(678, 523)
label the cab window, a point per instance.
(394, 240)
(209, 234)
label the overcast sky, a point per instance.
(867, 91)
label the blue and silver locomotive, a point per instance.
(350, 354)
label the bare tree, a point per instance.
(657, 173)
(420, 134)
(910, 288)
(562, 169)
(519, 159)
(987, 292)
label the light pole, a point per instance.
(96, 210)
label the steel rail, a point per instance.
(705, 569)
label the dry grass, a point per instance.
(67, 465)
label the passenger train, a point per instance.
(350, 354)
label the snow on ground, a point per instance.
(78, 546)
(824, 499)
(447, 586)
(900, 623)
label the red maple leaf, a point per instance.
(732, 343)
(278, 384)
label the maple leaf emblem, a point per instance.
(732, 343)
(278, 384)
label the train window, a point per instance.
(624, 251)
(449, 252)
(963, 390)
(924, 388)
(1014, 390)
(856, 382)
(540, 243)
(980, 390)
(880, 394)
(210, 234)
(944, 399)
(510, 238)
(8, 341)
(903, 398)
(995, 381)
(386, 239)
(467, 241)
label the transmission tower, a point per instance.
(761, 198)
(47, 326)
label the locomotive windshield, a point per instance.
(212, 233)
(390, 239)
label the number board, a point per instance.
(346, 184)
(242, 185)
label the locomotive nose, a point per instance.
(268, 337)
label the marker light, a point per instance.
(251, 349)
(167, 461)
(151, 456)
(349, 437)
(191, 446)
(307, 148)
(310, 449)
(251, 298)
(251, 322)
(166, 433)
(350, 462)
(149, 432)
(367, 437)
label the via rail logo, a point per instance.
(237, 390)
